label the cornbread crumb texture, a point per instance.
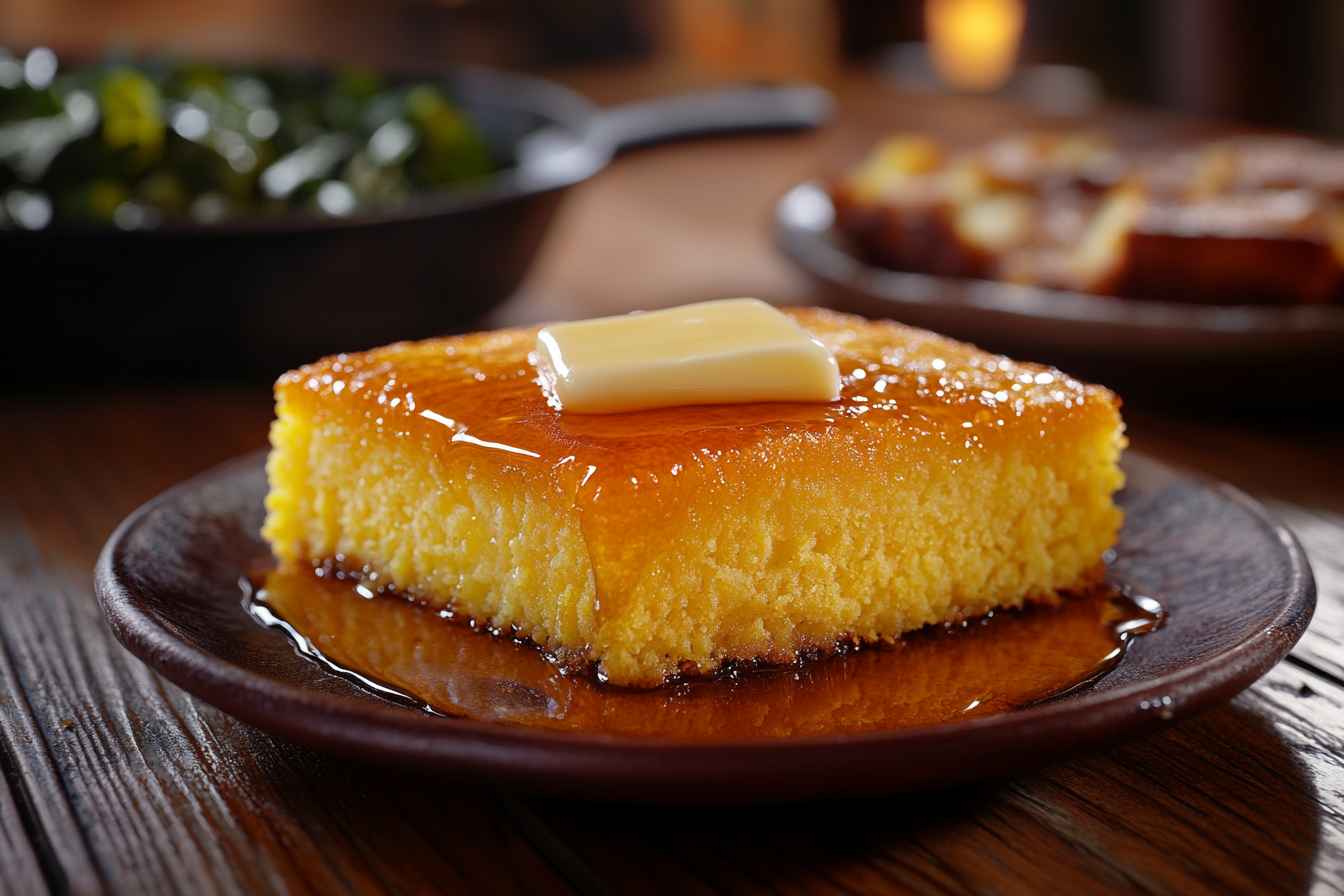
(945, 482)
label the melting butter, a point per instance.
(732, 351)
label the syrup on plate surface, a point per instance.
(410, 653)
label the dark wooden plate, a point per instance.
(1226, 352)
(1236, 585)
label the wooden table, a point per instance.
(114, 780)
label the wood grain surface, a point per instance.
(112, 780)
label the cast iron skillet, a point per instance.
(259, 295)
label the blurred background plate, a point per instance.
(1231, 352)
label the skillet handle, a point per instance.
(731, 110)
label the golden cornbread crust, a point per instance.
(944, 483)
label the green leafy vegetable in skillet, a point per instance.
(132, 144)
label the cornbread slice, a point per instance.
(944, 483)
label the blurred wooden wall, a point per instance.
(1272, 63)
(405, 34)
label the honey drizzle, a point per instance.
(416, 656)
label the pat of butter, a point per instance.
(732, 351)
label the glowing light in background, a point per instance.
(974, 42)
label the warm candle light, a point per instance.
(974, 42)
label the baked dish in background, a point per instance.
(1253, 220)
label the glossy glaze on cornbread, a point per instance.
(945, 482)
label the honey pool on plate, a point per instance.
(414, 655)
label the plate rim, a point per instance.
(333, 722)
